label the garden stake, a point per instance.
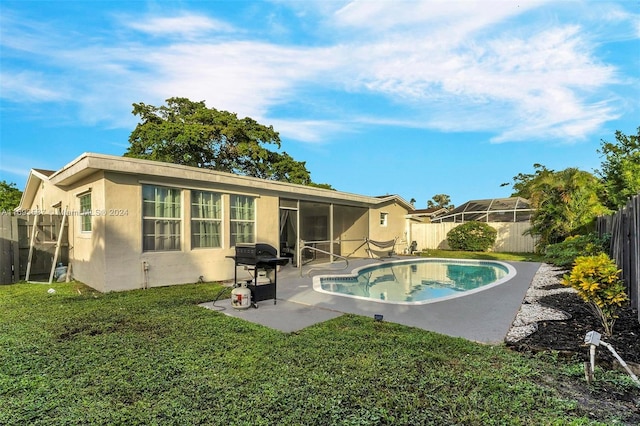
(593, 339)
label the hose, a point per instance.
(213, 305)
(593, 339)
(621, 361)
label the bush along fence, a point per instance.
(624, 228)
(509, 238)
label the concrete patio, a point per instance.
(485, 316)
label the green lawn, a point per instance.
(452, 254)
(153, 357)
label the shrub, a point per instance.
(566, 252)
(597, 280)
(472, 236)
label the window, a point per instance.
(383, 219)
(206, 219)
(85, 212)
(243, 222)
(161, 218)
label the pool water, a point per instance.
(416, 281)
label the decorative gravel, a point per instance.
(545, 282)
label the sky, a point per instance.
(414, 98)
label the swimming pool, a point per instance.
(416, 281)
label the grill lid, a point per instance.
(250, 254)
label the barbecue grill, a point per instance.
(259, 257)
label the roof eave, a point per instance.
(34, 180)
(89, 163)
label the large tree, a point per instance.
(440, 201)
(566, 202)
(188, 133)
(620, 171)
(9, 196)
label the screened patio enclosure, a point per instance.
(513, 209)
(323, 228)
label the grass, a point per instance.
(453, 254)
(153, 357)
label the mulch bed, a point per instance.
(566, 338)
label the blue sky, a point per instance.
(414, 98)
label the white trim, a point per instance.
(181, 219)
(191, 219)
(81, 216)
(82, 193)
(383, 220)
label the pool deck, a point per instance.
(485, 316)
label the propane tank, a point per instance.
(241, 297)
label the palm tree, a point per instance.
(566, 203)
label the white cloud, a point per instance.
(311, 131)
(27, 86)
(15, 166)
(185, 25)
(454, 66)
(540, 81)
(244, 77)
(457, 18)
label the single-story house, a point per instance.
(426, 215)
(137, 223)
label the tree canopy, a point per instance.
(9, 196)
(569, 201)
(620, 171)
(566, 202)
(440, 201)
(189, 133)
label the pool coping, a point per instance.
(511, 273)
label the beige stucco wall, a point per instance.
(125, 258)
(123, 233)
(351, 227)
(268, 220)
(396, 225)
(45, 197)
(86, 250)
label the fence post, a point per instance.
(624, 228)
(634, 251)
(15, 248)
(6, 258)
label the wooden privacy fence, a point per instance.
(28, 245)
(510, 237)
(624, 228)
